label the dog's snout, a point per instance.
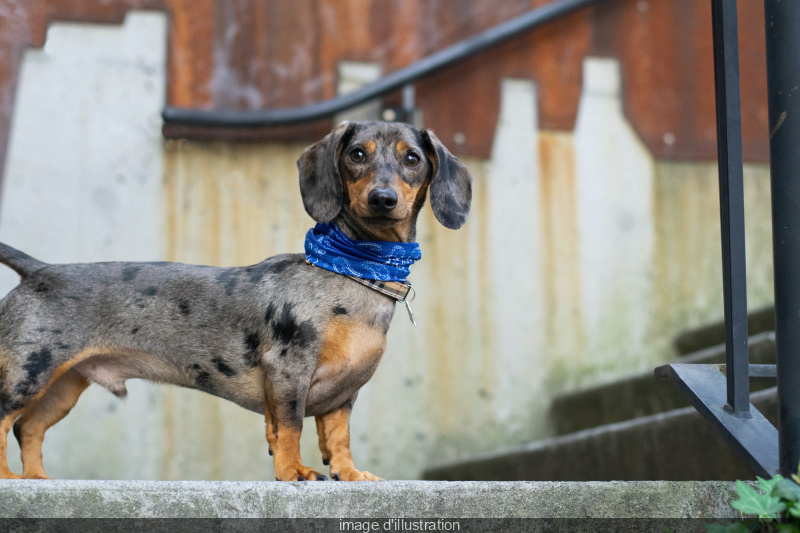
(382, 200)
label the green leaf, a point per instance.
(752, 502)
(794, 511)
(766, 485)
(786, 490)
(787, 528)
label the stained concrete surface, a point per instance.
(419, 499)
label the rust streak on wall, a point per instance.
(260, 54)
(190, 50)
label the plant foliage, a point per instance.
(775, 502)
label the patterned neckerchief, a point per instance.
(380, 265)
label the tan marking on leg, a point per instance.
(42, 414)
(336, 428)
(323, 447)
(285, 446)
(5, 427)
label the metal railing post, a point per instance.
(783, 89)
(731, 195)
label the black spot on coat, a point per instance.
(42, 287)
(269, 313)
(257, 272)
(150, 291)
(129, 272)
(286, 330)
(252, 342)
(183, 305)
(202, 378)
(223, 367)
(37, 363)
(284, 327)
(280, 266)
(307, 334)
(229, 277)
(339, 310)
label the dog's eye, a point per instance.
(357, 155)
(412, 159)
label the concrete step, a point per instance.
(641, 394)
(676, 445)
(694, 340)
(333, 500)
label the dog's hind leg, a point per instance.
(43, 413)
(6, 421)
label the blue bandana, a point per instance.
(327, 247)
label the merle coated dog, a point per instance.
(282, 337)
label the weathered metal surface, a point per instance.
(249, 54)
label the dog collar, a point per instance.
(398, 290)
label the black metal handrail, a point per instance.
(782, 20)
(424, 67)
(731, 199)
(722, 397)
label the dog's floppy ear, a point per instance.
(451, 184)
(320, 182)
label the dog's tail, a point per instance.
(20, 262)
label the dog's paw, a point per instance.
(354, 475)
(8, 474)
(300, 474)
(35, 476)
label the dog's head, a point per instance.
(378, 173)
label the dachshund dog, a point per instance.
(283, 337)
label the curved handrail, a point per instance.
(389, 83)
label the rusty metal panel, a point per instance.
(266, 53)
(664, 47)
(190, 52)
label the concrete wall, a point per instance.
(583, 256)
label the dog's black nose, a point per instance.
(382, 200)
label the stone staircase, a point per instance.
(635, 428)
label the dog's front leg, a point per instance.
(334, 441)
(284, 426)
